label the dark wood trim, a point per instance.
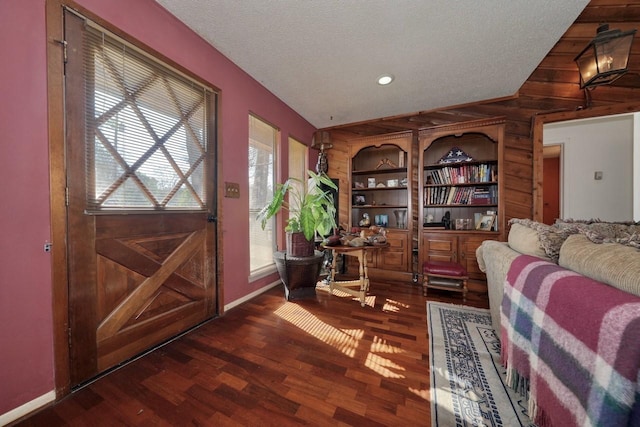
(214, 195)
(404, 127)
(57, 184)
(538, 126)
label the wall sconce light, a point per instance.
(605, 58)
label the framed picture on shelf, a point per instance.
(358, 199)
(486, 222)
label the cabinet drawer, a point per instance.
(440, 243)
(473, 270)
(392, 260)
(396, 256)
(396, 242)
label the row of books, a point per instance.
(461, 195)
(462, 174)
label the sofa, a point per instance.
(565, 300)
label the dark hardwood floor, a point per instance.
(269, 362)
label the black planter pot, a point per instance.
(299, 246)
(299, 274)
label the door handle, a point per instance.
(212, 218)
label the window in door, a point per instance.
(147, 130)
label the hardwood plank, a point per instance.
(319, 361)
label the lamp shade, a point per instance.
(605, 58)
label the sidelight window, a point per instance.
(262, 145)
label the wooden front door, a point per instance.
(141, 229)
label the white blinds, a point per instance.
(262, 148)
(146, 130)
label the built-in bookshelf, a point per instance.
(381, 192)
(460, 178)
(460, 191)
(468, 184)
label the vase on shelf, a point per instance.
(401, 218)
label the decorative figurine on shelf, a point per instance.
(323, 164)
(455, 155)
(365, 221)
(446, 220)
(322, 139)
(387, 162)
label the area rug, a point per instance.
(467, 380)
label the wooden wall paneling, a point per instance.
(615, 13)
(338, 158)
(416, 206)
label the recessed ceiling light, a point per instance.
(385, 79)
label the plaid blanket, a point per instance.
(574, 343)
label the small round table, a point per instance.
(359, 287)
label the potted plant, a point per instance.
(311, 212)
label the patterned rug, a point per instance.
(467, 380)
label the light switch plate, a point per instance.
(232, 190)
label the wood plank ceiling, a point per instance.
(554, 85)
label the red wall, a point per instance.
(551, 190)
(26, 344)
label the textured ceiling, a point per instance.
(322, 57)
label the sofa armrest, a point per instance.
(495, 258)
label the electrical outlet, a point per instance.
(47, 247)
(232, 190)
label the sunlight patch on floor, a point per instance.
(380, 345)
(345, 340)
(424, 394)
(369, 300)
(383, 366)
(393, 306)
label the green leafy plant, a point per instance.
(311, 209)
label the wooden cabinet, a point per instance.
(396, 256)
(460, 187)
(457, 247)
(440, 247)
(381, 188)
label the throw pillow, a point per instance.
(526, 241)
(611, 263)
(551, 238)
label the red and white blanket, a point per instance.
(574, 342)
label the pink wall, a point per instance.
(26, 341)
(26, 352)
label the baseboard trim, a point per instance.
(251, 295)
(27, 408)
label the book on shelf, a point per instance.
(460, 196)
(462, 174)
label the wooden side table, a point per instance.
(359, 287)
